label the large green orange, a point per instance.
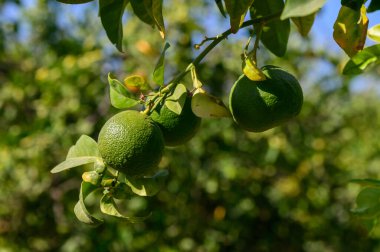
(131, 143)
(177, 129)
(260, 105)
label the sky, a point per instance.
(321, 32)
(322, 29)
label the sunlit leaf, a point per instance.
(220, 5)
(74, 1)
(208, 106)
(237, 11)
(368, 203)
(148, 186)
(120, 97)
(374, 33)
(304, 24)
(176, 101)
(108, 206)
(159, 70)
(85, 146)
(251, 70)
(74, 162)
(367, 182)
(111, 13)
(275, 34)
(350, 29)
(362, 60)
(301, 8)
(80, 209)
(121, 102)
(374, 6)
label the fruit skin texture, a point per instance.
(177, 129)
(131, 143)
(260, 105)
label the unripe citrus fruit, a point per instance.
(260, 105)
(177, 129)
(131, 143)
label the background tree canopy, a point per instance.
(287, 189)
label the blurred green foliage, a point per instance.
(283, 190)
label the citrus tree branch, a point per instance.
(215, 41)
(228, 32)
(220, 38)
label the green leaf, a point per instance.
(301, 8)
(111, 13)
(74, 162)
(85, 146)
(122, 191)
(304, 24)
(148, 186)
(142, 9)
(367, 182)
(207, 106)
(275, 34)
(251, 70)
(120, 97)
(237, 11)
(220, 5)
(374, 33)
(150, 12)
(362, 60)
(157, 15)
(108, 206)
(374, 6)
(159, 70)
(176, 101)
(80, 209)
(121, 102)
(353, 4)
(367, 203)
(350, 29)
(74, 1)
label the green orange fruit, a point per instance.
(177, 129)
(131, 143)
(260, 105)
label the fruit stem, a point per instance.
(253, 53)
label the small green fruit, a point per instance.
(260, 105)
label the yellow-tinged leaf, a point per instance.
(135, 83)
(208, 106)
(350, 29)
(374, 33)
(251, 70)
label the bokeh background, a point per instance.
(287, 189)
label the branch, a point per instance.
(225, 34)
(216, 40)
